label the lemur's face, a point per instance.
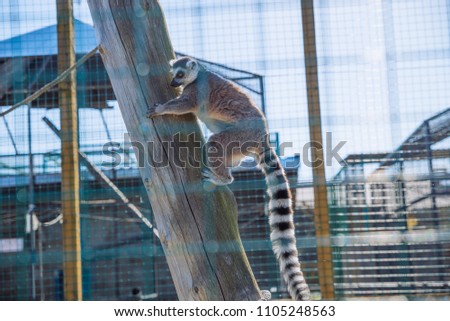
(184, 72)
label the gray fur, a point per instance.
(235, 120)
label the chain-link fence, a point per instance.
(384, 88)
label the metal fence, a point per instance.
(384, 89)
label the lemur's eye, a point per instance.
(180, 74)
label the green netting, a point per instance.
(384, 69)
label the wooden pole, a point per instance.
(321, 218)
(198, 228)
(69, 153)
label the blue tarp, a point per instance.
(44, 42)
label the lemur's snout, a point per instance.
(175, 83)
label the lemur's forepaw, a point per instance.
(210, 176)
(151, 111)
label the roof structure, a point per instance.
(44, 42)
(417, 146)
(29, 61)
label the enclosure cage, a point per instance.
(382, 72)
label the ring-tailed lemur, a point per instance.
(235, 120)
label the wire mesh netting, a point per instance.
(384, 88)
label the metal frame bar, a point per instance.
(321, 215)
(70, 180)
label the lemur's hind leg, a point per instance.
(215, 169)
(226, 149)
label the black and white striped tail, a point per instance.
(281, 220)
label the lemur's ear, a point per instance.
(171, 62)
(191, 64)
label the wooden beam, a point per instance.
(69, 153)
(197, 227)
(321, 218)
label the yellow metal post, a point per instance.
(70, 201)
(324, 256)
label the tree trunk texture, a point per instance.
(198, 228)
